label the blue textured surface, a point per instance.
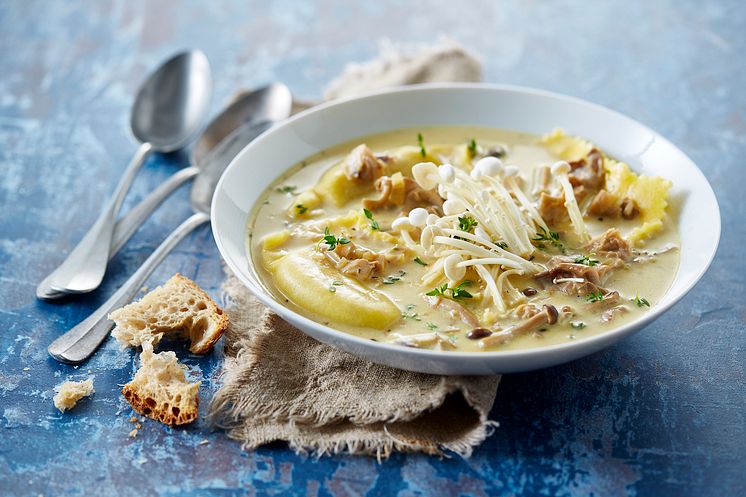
(662, 413)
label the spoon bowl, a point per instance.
(171, 106)
(268, 103)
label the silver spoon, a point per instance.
(80, 342)
(269, 103)
(169, 110)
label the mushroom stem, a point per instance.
(560, 170)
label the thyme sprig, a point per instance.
(332, 241)
(595, 296)
(641, 302)
(457, 292)
(585, 260)
(472, 148)
(467, 223)
(549, 236)
(286, 189)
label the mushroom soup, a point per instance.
(471, 239)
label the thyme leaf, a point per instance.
(457, 292)
(410, 314)
(393, 278)
(438, 291)
(373, 223)
(467, 223)
(595, 296)
(286, 189)
(421, 143)
(472, 147)
(641, 302)
(585, 260)
(332, 241)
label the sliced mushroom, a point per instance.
(629, 209)
(612, 313)
(454, 309)
(548, 315)
(385, 186)
(362, 166)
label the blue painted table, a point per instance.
(661, 413)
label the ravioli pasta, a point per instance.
(467, 239)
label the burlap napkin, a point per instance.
(279, 384)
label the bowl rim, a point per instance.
(598, 340)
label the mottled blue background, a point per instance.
(661, 413)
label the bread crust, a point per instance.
(216, 313)
(158, 412)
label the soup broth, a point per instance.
(463, 238)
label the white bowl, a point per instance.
(521, 109)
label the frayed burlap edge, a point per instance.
(423, 413)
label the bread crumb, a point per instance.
(138, 425)
(27, 369)
(204, 442)
(133, 433)
(70, 392)
(133, 419)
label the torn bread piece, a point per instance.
(68, 394)
(160, 389)
(180, 305)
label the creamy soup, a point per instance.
(470, 239)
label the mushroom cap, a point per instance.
(489, 166)
(453, 206)
(402, 223)
(561, 167)
(426, 175)
(510, 171)
(427, 235)
(447, 173)
(432, 219)
(418, 217)
(452, 270)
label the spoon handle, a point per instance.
(135, 218)
(76, 345)
(129, 223)
(85, 266)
